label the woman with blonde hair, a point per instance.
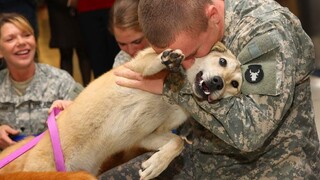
(27, 88)
(124, 24)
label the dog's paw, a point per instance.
(153, 166)
(172, 59)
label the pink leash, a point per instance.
(55, 141)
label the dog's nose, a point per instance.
(216, 83)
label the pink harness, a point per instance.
(55, 141)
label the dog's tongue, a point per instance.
(209, 99)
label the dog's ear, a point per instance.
(219, 46)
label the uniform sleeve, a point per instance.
(69, 88)
(246, 121)
(121, 58)
(75, 91)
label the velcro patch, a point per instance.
(258, 59)
(263, 81)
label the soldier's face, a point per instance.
(192, 46)
(198, 44)
(17, 47)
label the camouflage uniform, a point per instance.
(121, 58)
(268, 131)
(30, 111)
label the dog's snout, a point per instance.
(216, 83)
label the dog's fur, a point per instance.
(81, 175)
(106, 118)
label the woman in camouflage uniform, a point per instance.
(125, 26)
(27, 89)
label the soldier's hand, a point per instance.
(5, 140)
(61, 104)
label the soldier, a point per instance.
(268, 131)
(27, 89)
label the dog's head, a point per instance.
(215, 76)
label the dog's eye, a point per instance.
(223, 62)
(235, 84)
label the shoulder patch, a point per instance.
(259, 65)
(260, 76)
(254, 73)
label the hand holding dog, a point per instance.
(61, 104)
(131, 79)
(5, 140)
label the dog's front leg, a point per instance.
(168, 145)
(169, 59)
(172, 59)
(148, 63)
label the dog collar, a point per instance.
(55, 141)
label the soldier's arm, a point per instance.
(246, 121)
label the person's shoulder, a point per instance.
(54, 75)
(49, 70)
(3, 74)
(260, 9)
(121, 58)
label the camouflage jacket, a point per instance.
(121, 58)
(268, 131)
(29, 112)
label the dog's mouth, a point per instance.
(201, 88)
(205, 90)
(202, 84)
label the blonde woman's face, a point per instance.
(17, 47)
(130, 41)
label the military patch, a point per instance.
(261, 53)
(254, 73)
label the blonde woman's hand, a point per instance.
(61, 104)
(5, 140)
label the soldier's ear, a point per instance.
(219, 46)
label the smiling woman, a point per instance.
(27, 89)
(17, 47)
